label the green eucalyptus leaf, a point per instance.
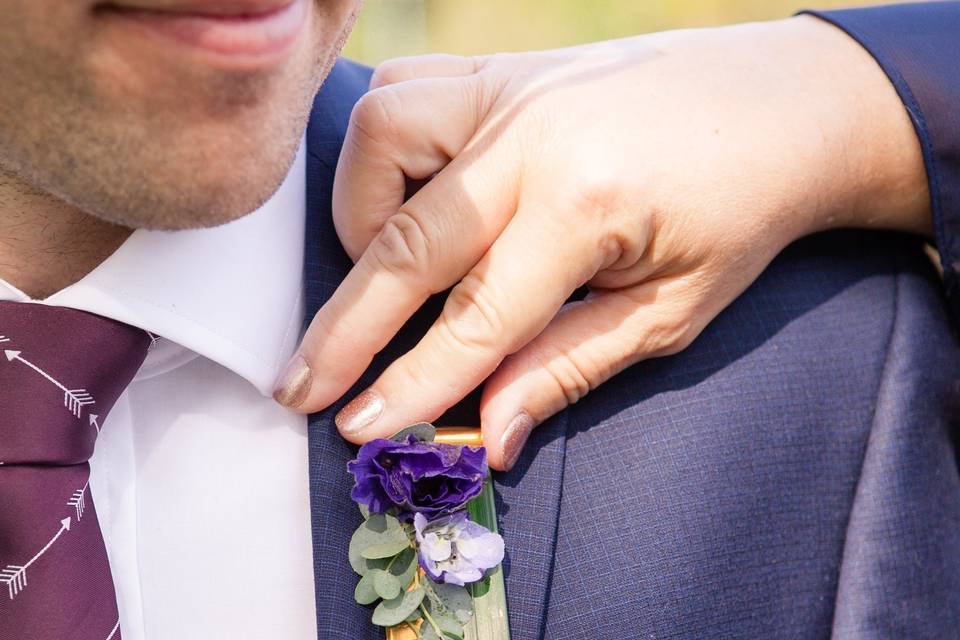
(357, 561)
(395, 611)
(387, 548)
(384, 583)
(449, 625)
(423, 431)
(433, 600)
(365, 593)
(369, 565)
(453, 600)
(364, 510)
(450, 628)
(404, 567)
(427, 632)
(380, 536)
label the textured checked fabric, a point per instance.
(792, 474)
(60, 374)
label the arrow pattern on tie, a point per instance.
(73, 399)
(15, 576)
(71, 347)
(78, 501)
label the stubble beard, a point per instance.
(141, 167)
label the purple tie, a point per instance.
(61, 370)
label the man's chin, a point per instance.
(187, 201)
(211, 208)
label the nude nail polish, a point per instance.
(515, 436)
(293, 386)
(360, 413)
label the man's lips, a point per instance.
(248, 31)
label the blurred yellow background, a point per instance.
(390, 28)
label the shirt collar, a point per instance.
(231, 293)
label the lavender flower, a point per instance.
(415, 476)
(456, 550)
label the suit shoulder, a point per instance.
(346, 82)
(353, 70)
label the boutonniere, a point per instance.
(428, 554)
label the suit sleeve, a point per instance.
(918, 46)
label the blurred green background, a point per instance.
(389, 28)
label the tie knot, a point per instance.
(61, 370)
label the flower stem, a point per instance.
(433, 623)
(390, 564)
(414, 629)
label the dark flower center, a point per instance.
(429, 489)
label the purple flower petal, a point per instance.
(435, 479)
(456, 550)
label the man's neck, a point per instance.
(46, 244)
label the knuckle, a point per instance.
(677, 338)
(375, 114)
(667, 338)
(327, 334)
(389, 72)
(570, 376)
(672, 329)
(419, 375)
(596, 194)
(402, 246)
(469, 64)
(471, 316)
(494, 61)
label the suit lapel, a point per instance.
(528, 506)
(333, 514)
(529, 497)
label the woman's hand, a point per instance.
(663, 171)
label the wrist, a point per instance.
(871, 159)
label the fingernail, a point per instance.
(293, 385)
(360, 413)
(515, 437)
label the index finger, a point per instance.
(438, 235)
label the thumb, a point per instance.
(584, 345)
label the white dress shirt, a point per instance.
(199, 478)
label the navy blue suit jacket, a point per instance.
(792, 474)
